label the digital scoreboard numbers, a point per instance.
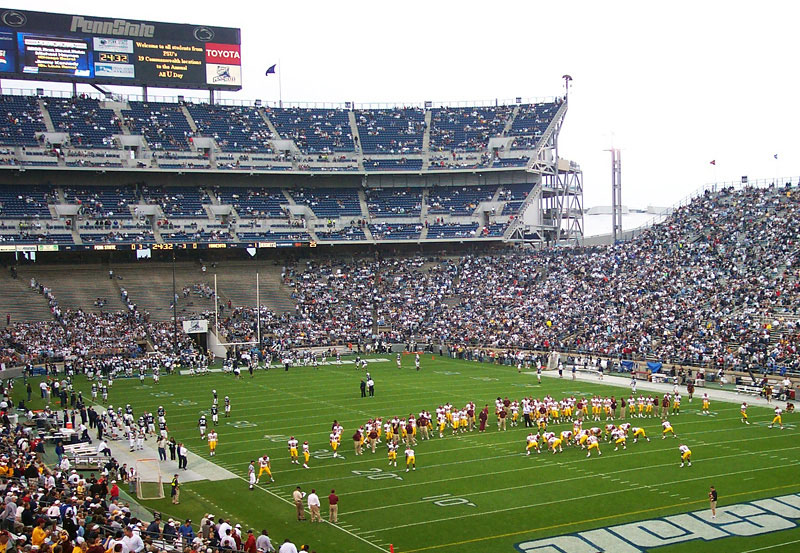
(73, 48)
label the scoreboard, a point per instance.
(78, 48)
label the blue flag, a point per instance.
(271, 70)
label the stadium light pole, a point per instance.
(567, 81)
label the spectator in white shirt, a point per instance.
(224, 526)
(228, 542)
(132, 543)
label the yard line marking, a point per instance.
(766, 547)
(566, 464)
(597, 519)
(565, 500)
(586, 474)
(291, 502)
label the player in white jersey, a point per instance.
(686, 454)
(532, 442)
(251, 474)
(264, 466)
(777, 418)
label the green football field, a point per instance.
(477, 491)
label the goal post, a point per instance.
(148, 479)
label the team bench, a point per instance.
(744, 389)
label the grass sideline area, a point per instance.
(472, 491)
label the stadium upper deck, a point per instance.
(90, 172)
(86, 132)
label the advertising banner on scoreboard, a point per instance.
(76, 48)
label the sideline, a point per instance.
(596, 519)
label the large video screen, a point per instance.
(78, 48)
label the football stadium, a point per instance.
(273, 326)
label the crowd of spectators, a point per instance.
(714, 285)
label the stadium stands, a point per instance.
(163, 125)
(103, 201)
(234, 128)
(179, 202)
(25, 202)
(314, 130)
(88, 125)
(396, 231)
(530, 123)
(467, 129)
(329, 202)
(253, 202)
(21, 120)
(458, 200)
(391, 131)
(452, 230)
(394, 202)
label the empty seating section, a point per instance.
(531, 122)
(349, 233)
(391, 131)
(467, 129)
(314, 130)
(180, 202)
(515, 191)
(103, 202)
(394, 202)
(329, 202)
(511, 162)
(511, 208)
(163, 125)
(458, 200)
(395, 231)
(401, 164)
(253, 203)
(32, 238)
(141, 237)
(296, 236)
(235, 128)
(88, 125)
(494, 230)
(25, 202)
(452, 230)
(196, 236)
(21, 120)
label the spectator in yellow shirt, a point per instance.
(39, 533)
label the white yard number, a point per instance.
(377, 474)
(241, 424)
(161, 394)
(185, 403)
(447, 500)
(325, 454)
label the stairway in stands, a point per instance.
(236, 281)
(149, 287)
(79, 287)
(20, 301)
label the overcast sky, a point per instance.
(674, 85)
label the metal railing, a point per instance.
(175, 98)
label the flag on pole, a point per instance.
(713, 162)
(271, 70)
